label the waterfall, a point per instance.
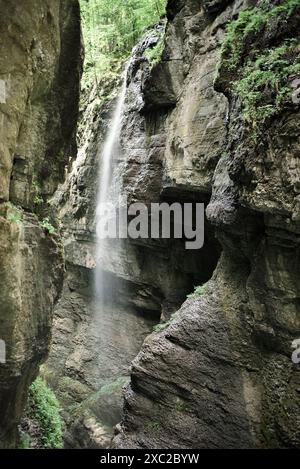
(111, 151)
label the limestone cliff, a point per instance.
(40, 60)
(89, 361)
(219, 372)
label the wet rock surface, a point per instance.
(151, 278)
(40, 69)
(221, 375)
(217, 374)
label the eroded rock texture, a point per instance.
(221, 375)
(39, 82)
(90, 357)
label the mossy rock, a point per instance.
(260, 61)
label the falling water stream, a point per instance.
(117, 328)
(110, 153)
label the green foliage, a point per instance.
(46, 225)
(163, 325)
(15, 217)
(37, 197)
(247, 26)
(262, 77)
(153, 426)
(263, 84)
(154, 54)
(11, 212)
(38, 200)
(199, 291)
(106, 390)
(25, 441)
(44, 408)
(111, 29)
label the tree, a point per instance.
(112, 28)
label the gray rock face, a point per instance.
(151, 278)
(40, 69)
(221, 375)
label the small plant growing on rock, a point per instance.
(153, 426)
(47, 226)
(12, 213)
(25, 441)
(37, 199)
(154, 54)
(180, 405)
(163, 325)
(199, 291)
(15, 217)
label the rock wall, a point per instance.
(40, 61)
(90, 359)
(219, 372)
(221, 375)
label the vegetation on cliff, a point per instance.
(42, 414)
(262, 74)
(111, 29)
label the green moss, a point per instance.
(15, 217)
(154, 54)
(106, 390)
(43, 407)
(199, 291)
(153, 426)
(163, 325)
(110, 388)
(25, 441)
(12, 213)
(263, 87)
(261, 78)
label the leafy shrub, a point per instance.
(38, 200)
(111, 29)
(44, 408)
(154, 54)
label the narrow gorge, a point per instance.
(136, 342)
